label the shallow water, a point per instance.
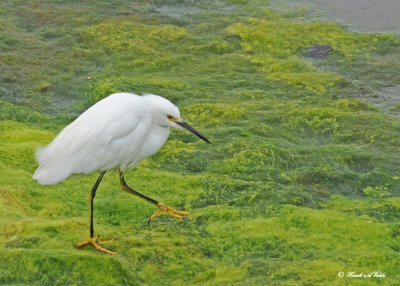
(380, 16)
(362, 16)
(366, 15)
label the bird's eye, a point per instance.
(170, 117)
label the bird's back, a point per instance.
(107, 135)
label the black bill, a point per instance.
(194, 131)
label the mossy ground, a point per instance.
(301, 181)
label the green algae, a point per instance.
(301, 181)
(277, 48)
(133, 38)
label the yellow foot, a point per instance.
(96, 244)
(169, 211)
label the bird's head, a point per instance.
(166, 114)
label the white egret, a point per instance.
(117, 132)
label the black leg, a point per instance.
(128, 189)
(161, 207)
(91, 198)
(93, 239)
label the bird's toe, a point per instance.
(169, 211)
(93, 241)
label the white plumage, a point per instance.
(117, 132)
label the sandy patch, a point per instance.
(382, 16)
(366, 15)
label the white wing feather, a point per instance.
(97, 139)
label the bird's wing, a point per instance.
(103, 137)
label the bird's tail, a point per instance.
(46, 176)
(49, 172)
